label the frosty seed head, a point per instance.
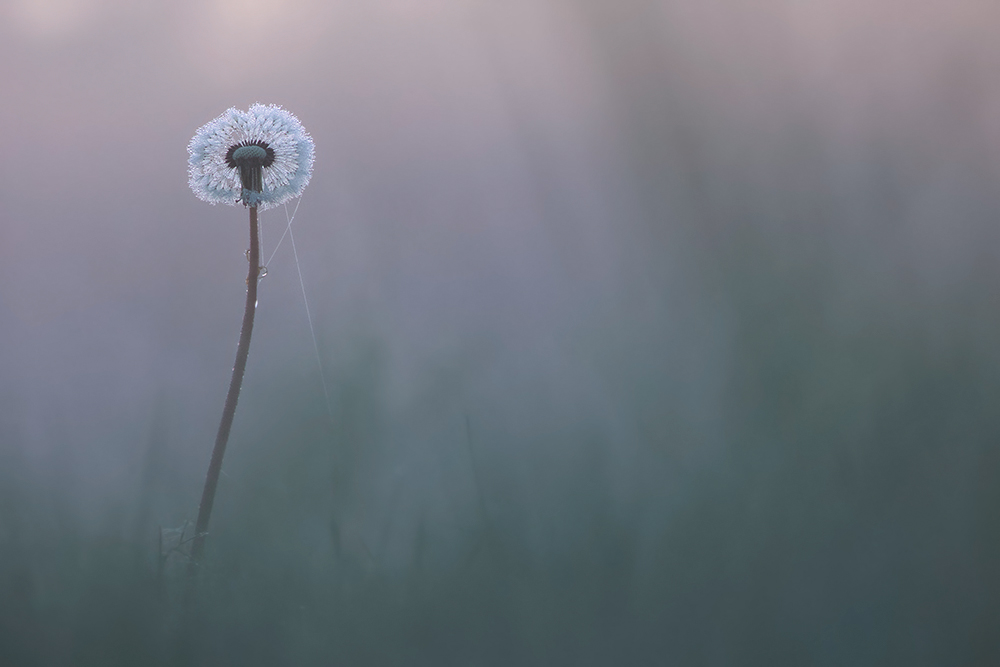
(261, 157)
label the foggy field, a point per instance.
(654, 333)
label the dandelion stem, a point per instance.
(215, 467)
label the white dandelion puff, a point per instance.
(260, 157)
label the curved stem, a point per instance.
(215, 467)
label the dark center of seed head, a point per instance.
(250, 157)
(250, 154)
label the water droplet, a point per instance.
(248, 254)
(262, 272)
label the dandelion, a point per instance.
(265, 143)
(260, 158)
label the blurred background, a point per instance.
(653, 333)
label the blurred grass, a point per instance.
(854, 520)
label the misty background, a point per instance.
(653, 333)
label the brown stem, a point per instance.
(215, 467)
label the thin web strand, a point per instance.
(287, 229)
(312, 330)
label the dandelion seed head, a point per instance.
(265, 136)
